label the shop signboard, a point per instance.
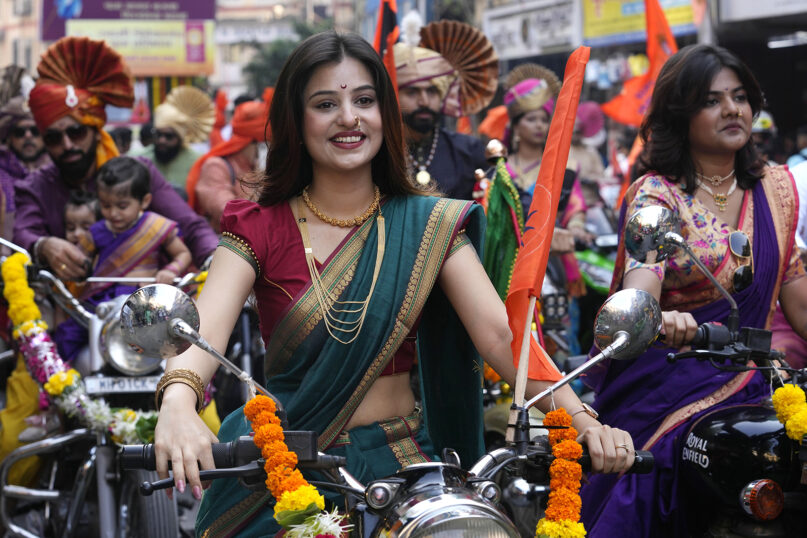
(615, 22)
(743, 10)
(155, 48)
(56, 13)
(533, 28)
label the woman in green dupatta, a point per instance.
(399, 269)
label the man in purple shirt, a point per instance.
(70, 117)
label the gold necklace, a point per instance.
(343, 223)
(721, 199)
(326, 299)
(715, 180)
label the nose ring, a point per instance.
(740, 114)
(358, 122)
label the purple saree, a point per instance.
(656, 401)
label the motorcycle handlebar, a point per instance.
(643, 462)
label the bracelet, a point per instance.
(172, 267)
(180, 375)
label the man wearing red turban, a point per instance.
(78, 77)
(214, 179)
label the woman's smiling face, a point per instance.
(335, 96)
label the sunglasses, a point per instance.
(20, 132)
(55, 137)
(167, 135)
(740, 246)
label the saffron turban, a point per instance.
(78, 77)
(189, 111)
(249, 125)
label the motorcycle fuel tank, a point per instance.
(728, 448)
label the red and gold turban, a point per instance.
(78, 77)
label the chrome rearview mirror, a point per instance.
(646, 238)
(147, 317)
(632, 311)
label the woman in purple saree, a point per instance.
(704, 168)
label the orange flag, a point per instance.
(630, 105)
(495, 123)
(386, 35)
(528, 273)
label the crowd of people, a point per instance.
(359, 239)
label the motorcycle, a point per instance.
(81, 487)
(743, 475)
(501, 495)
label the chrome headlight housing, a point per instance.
(114, 348)
(450, 515)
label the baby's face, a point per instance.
(77, 221)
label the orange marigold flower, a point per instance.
(570, 471)
(280, 459)
(564, 483)
(258, 404)
(563, 504)
(558, 417)
(568, 449)
(267, 433)
(293, 481)
(562, 434)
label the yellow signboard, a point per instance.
(611, 22)
(155, 48)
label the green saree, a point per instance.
(321, 381)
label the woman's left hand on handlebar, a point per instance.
(678, 328)
(611, 449)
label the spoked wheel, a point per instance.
(154, 516)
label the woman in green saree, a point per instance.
(355, 272)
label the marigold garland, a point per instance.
(298, 506)
(791, 409)
(63, 384)
(563, 509)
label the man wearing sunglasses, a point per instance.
(71, 120)
(186, 117)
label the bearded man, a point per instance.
(186, 117)
(68, 106)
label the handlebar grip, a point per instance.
(224, 455)
(138, 457)
(643, 462)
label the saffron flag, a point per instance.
(386, 35)
(528, 273)
(631, 104)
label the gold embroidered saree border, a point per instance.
(229, 521)
(400, 434)
(680, 415)
(460, 241)
(305, 314)
(232, 242)
(434, 246)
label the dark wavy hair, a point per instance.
(681, 91)
(288, 164)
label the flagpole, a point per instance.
(521, 373)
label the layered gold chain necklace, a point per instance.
(344, 317)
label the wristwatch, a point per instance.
(587, 409)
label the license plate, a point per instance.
(114, 385)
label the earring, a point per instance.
(358, 122)
(515, 142)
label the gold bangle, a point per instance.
(184, 376)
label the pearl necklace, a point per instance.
(342, 223)
(423, 177)
(721, 199)
(715, 180)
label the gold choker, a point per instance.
(343, 223)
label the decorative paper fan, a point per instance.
(197, 109)
(89, 65)
(471, 54)
(527, 71)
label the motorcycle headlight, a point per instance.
(449, 516)
(121, 355)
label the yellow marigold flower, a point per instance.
(796, 426)
(787, 401)
(300, 499)
(560, 529)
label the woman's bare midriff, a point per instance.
(390, 396)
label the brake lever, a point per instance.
(252, 468)
(706, 355)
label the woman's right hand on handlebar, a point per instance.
(64, 258)
(182, 438)
(678, 328)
